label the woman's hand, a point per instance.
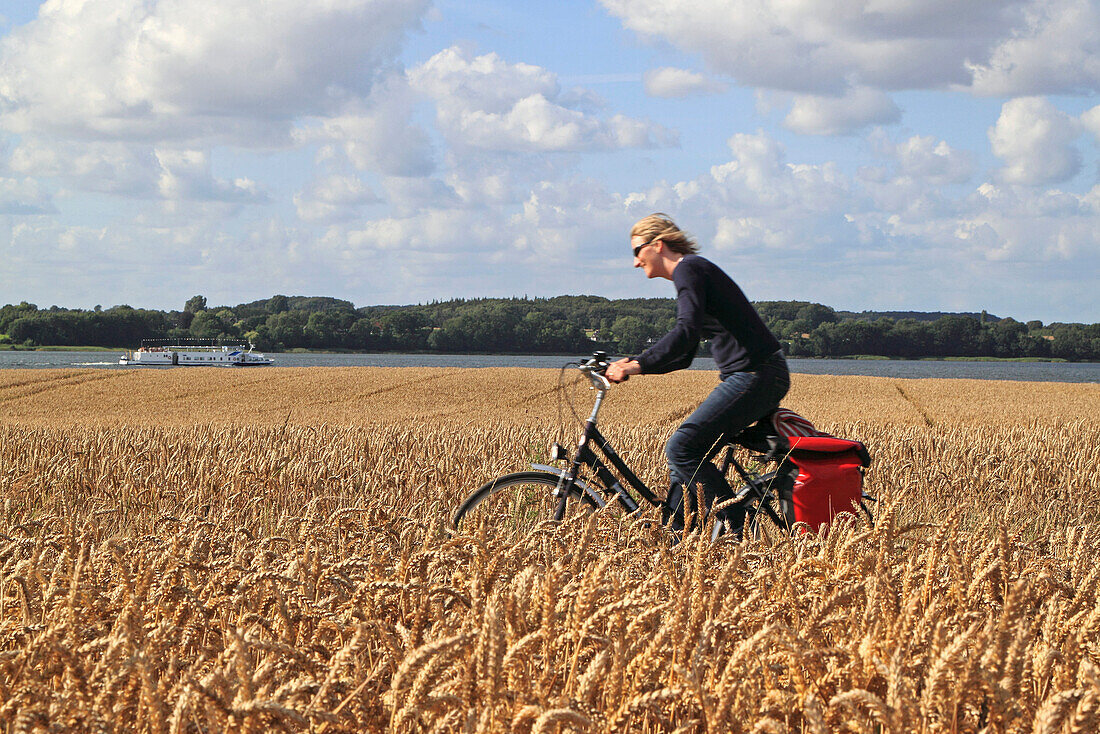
(622, 369)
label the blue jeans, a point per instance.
(739, 401)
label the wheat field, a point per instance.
(212, 550)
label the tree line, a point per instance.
(563, 324)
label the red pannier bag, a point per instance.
(830, 477)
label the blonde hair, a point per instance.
(660, 226)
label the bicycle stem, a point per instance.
(601, 386)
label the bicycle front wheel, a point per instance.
(515, 503)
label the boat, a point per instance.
(153, 354)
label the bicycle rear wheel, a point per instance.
(772, 505)
(515, 503)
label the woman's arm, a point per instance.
(676, 349)
(620, 370)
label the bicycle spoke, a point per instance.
(515, 503)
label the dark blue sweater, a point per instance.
(709, 305)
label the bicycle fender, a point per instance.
(593, 495)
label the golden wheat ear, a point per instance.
(271, 556)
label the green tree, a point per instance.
(854, 336)
(285, 329)
(260, 338)
(328, 328)
(815, 314)
(955, 336)
(1008, 337)
(1069, 343)
(363, 335)
(910, 338)
(405, 329)
(9, 313)
(206, 325)
(195, 304)
(631, 334)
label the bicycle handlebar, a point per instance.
(598, 362)
(594, 367)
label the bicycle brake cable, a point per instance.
(564, 394)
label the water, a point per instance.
(1026, 371)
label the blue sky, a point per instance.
(866, 154)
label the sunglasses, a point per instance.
(639, 247)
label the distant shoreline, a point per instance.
(21, 348)
(855, 357)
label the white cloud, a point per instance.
(131, 97)
(840, 59)
(813, 114)
(156, 259)
(142, 99)
(102, 167)
(443, 232)
(760, 178)
(825, 47)
(576, 225)
(231, 70)
(783, 229)
(23, 196)
(536, 124)
(485, 82)
(186, 175)
(1022, 224)
(407, 196)
(486, 103)
(333, 198)
(1055, 49)
(995, 223)
(486, 184)
(921, 158)
(757, 200)
(1091, 120)
(1036, 142)
(788, 230)
(907, 190)
(377, 133)
(679, 83)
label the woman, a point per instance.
(709, 305)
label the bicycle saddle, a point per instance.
(763, 438)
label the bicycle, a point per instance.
(547, 492)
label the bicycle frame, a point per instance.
(752, 488)
(592, 441)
